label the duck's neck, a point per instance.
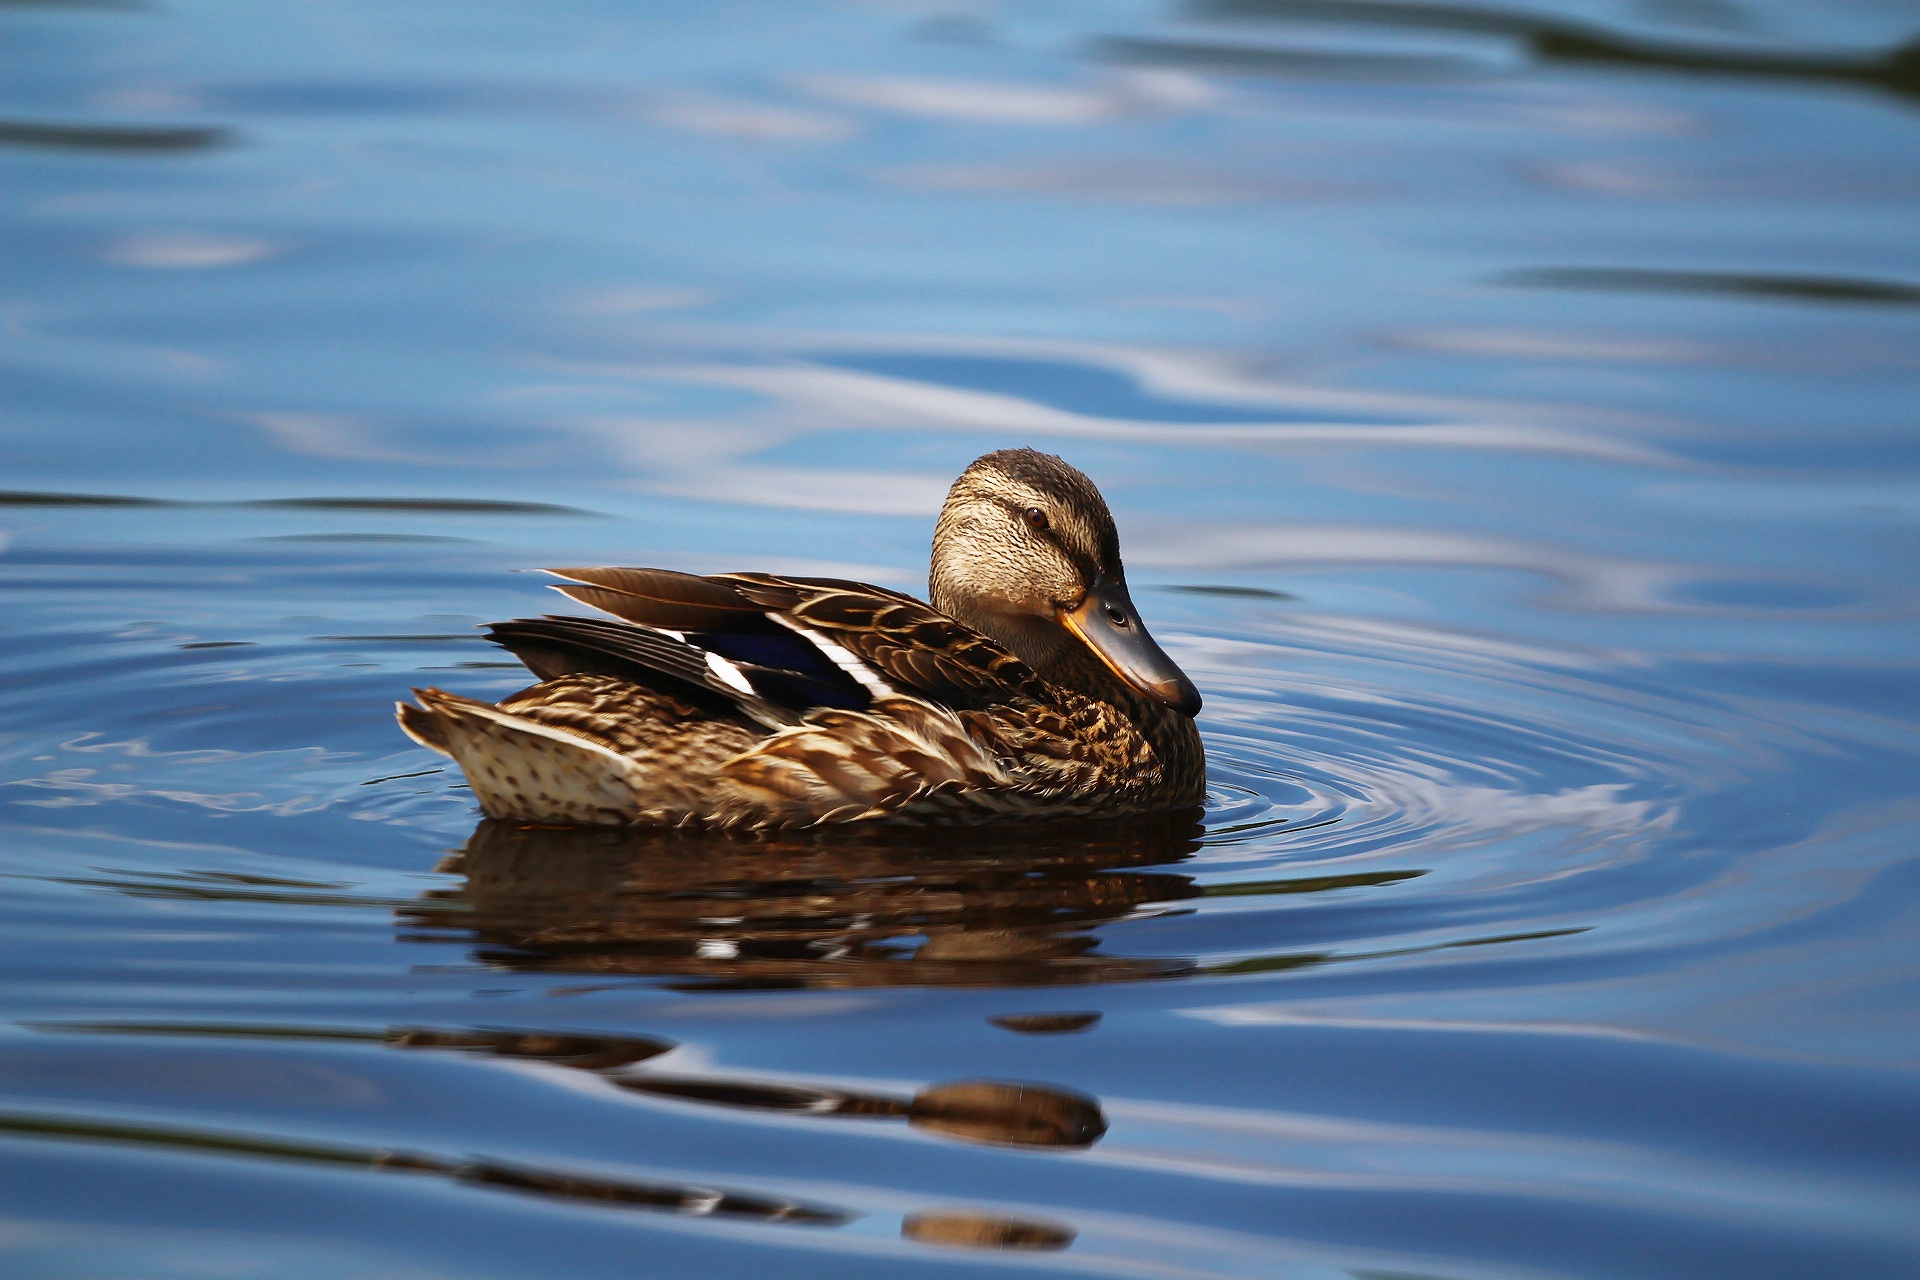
(1059, 658)
(1076, 667)
(1172, 736)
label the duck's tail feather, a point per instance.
(522, 770)
(423, 726)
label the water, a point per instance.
(1510, 415)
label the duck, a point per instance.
(1028, 689)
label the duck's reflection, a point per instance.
(1001, 1112)
(665, 1197)
(995, 1112)
(985, 1231)
(946, 908)
(588, 1053)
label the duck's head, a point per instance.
(1026, 553)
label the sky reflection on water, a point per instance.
(1509, 414)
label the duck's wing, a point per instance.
(554, 646)
(801, 643)
(915, 647)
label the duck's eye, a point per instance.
(1036, 519)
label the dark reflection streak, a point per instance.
(1557, 40)
(670, 1197)
(109, 137)
(1515, 937)
(1796, 288)
(46, 1126)
(215, 893)
(1306, 884)
(395, 777)
(1200, 56)
(1896, 71)
(585, 1052)
(1046, 1024)
(175, 879)
(439, 506)
(210, 1030)
(445, 506)
(757, 1096)
(1383, 13)
(1001, 1112)
(564, 1049)
(28, 498)
(241, 877)
(1245, 593)
(1264, 824)
(433, 638)
(229, 877)
(664, 1196)
(1275, 964)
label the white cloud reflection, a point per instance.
(745, 119)
(1586, 578)
(1129, 182)
(752, 447)
(640, 298)
(189, 251)
(1222, 378)
(338, 435)
(810, 397)
(1534, 344)
(1113, 97)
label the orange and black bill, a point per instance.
(1109, 624)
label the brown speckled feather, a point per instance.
(1000, 743)
(914, 645)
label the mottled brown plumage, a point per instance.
(1029, 689)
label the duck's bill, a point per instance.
(1108, 624)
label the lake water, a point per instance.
(1512, 414)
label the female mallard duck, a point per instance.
(1030, 688)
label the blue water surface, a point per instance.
(1512, 416)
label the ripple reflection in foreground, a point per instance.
(1000, 1113)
